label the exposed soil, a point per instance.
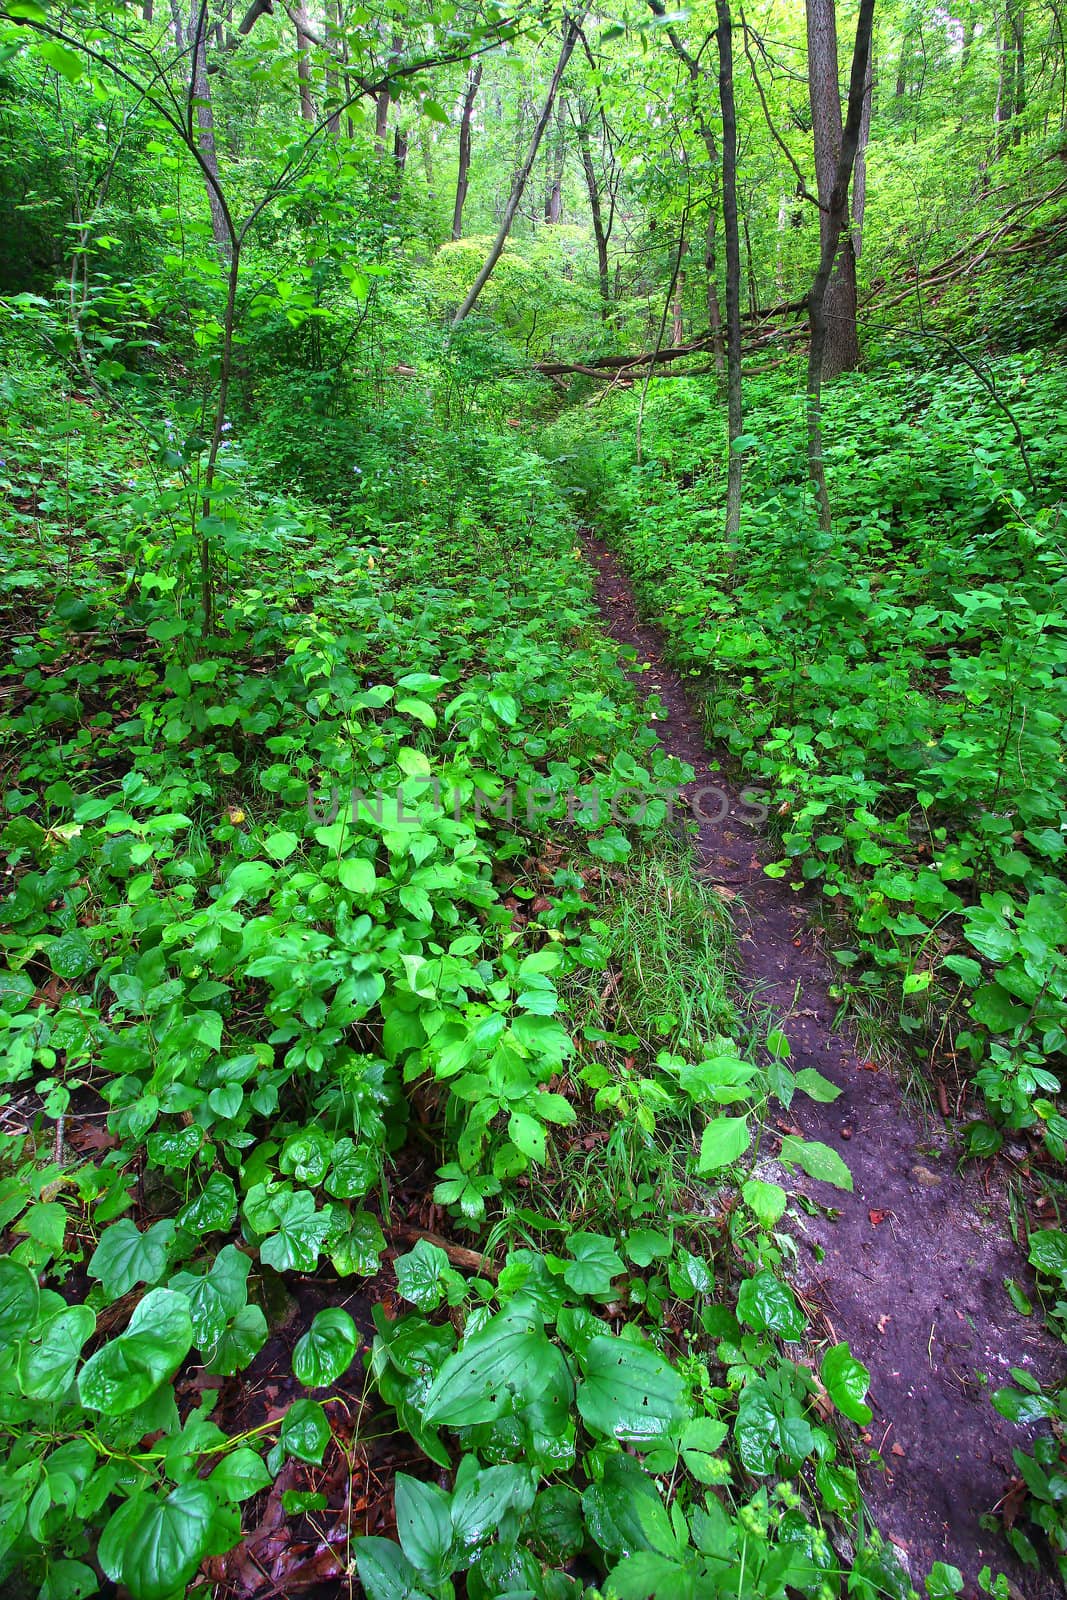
(910, 1268)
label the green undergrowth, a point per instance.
(364, 866)
(897, 686)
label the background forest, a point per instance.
(399, 1192)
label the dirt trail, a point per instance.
(912, 1270)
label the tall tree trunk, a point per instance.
(859, 179)
(724, 41)
(903, 63)
(554, 195)
(303, 62)
(1005, 83)
(842, 353)
(333, 28)
(596, 210)
(200, 104)
(718, 350)
(426, 152)
(1016, 19)
(968, 36)
(678, 308)
(381, 121)
(400, 150)
(474, 78)
(779, 245)
(570, 35)
(837, 218)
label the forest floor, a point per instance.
(910, 1268)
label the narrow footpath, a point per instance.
(911, 1271)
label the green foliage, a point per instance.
(893, 686)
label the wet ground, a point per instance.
(911, 1268)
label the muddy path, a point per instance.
(912, 1270)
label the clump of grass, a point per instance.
(669, 974)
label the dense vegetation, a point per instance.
(384, 1143)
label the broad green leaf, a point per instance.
(595, 1266)
(767, 1304)
(528, 1135)
(124, 1372)
(424, 1527)
(816, 1087)
(68, 1580)
(125, 1256)
(47, 1363)
(240, 1475)
(168, 1542)
(240, 1343)
(19, 1298)
(385, 1571)
(327, 1350)
(305, 1431)
(503, 1367)
(766, 1200)
(817, 1160)
(357, 876)
(846, 1381)
(419, 1275)
(724, 1140)
(629, 1392)
(281, 845)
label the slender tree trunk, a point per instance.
(718, 349)
(426, 152)
(724, 41)
(842, 351)
(968, 37)
(596, 210)
(146, 11)
(837, 218)
(554, 195)
(200, 104)
(1005, 84)
(903, 63)
(779, 245)
(474, 78)
(333, 28)
(859, 179)
(400, 150)
(303, 62)
(381, 122)
(570, 35)
(678, 309)
(1016, 19)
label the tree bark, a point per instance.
(200, 107)
(303, 62)
(474, 78)
(1016, 20)
(381, 122)
(570, 36)
(714, 314)
(333, 28)
(836, 219)
(677, 309)
(554, 194)
(842, 351)
(859, 179)
(596, 210)
(724, 41)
